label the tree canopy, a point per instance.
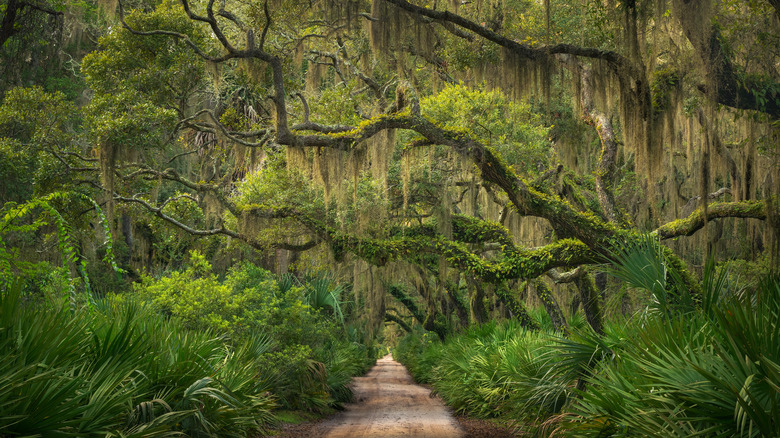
(446, 154)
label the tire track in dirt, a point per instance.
(387, 405)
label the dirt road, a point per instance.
(389, 404)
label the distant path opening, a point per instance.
(389, 404)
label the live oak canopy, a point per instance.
(445, 136)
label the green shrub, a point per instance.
(490, 370)
(308, 364)
(694, 374)
(120, 369)
(203, 302)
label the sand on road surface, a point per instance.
(389, 404)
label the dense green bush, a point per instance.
(120, 369)
(310, 361)
(496, 369)
(244, 303)
(703, 362)
(713, 373)
(188, 354)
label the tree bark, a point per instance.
(591, 302)
(551, 305)
(516, 308)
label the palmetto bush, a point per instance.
(121, 370)
(694, 374)
(693, 363)
(683, 370)
(493, 369)
(420, 352)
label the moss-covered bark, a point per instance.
(457, 302)
(400, 294)
(477, 310)
(591, 302)
(697, 219)
(390, 317)
(551, 305)
(516, 308)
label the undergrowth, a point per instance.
(707, 366)
(186, 355)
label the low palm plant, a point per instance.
(685, 371)
(642, 263)
(119, 369)
(322, 292)
(490, 370)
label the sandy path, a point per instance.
(389, 404)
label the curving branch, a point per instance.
(308, 125)
(566, 277)
(390, 317)
(267, 26)
(613, 58)
(172, 175)
(237, 137)
(177, 35)
(400, 294)
(690, 205)
(717, 210)
(375, 86)
(334, 62)
(158, 211)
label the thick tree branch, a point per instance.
(591, 302)
(605, 173)
(614, 58)
(389, 317)
(717, 210)
(566, 277)
(400, 294)
(551, 305)
(516, 308)
(690, 206)
(158, 211)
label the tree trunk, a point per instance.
(516, 308)
(551, 305)
(591, 303)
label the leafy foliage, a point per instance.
(680, 370)
(505, 125)
(491, 370)
(122, 370)
(692, 375)
(309, 361)
(33, 123)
